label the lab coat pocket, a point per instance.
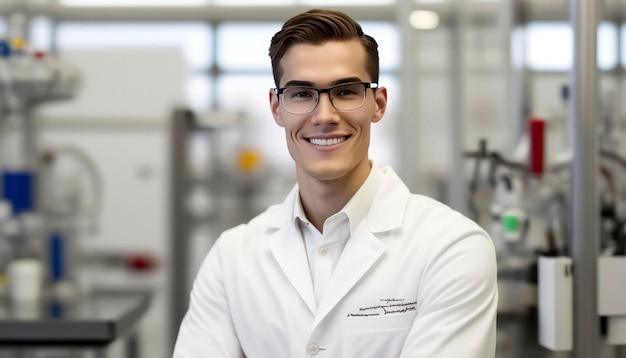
(376, 336)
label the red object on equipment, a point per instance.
(140, 262)
(536, 133)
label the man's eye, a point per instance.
(301, 94)
(345, 92)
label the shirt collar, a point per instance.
(298, 212)
(357, 207)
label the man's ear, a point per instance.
(380, 97)
(275, 108)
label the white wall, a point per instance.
(119, 119)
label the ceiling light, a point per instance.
(424, 20)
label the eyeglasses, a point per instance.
(344, 97)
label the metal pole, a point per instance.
(179, 223)
(513, 75)
(132, 345)
(408, 119)
(457, 189)
(584, 208)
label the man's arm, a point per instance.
(457, 303)
(207, 329)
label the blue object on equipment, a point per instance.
(18, 187)
(57, 255)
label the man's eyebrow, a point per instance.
(310, 84)
(347, 80)
(299, 83)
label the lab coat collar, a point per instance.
(385, 214)
(387, 210)
(362, 250)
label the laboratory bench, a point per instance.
(92, 321)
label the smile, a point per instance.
(327, 141)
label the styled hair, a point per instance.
(316, 27)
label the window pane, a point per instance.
(387, 35)
(193, 39)
(550, 47)
(199, 92)
(244, 46)
(623, 45)
(607, 46)
(41, 33)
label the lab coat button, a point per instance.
(323, 251)
(313, 349)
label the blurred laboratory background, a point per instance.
(132, 132)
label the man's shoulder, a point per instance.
(427, 205)
(268, 220)
(436, 217)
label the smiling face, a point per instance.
(327, 144)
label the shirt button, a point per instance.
(323, 251)
(313, 349)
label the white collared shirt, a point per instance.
(324, 250)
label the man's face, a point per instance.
(308, 135)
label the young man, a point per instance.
(350, 264)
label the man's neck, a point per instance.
(322, 199)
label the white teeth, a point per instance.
(329, 141)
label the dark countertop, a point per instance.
(93, 320)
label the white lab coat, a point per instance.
(416, 279)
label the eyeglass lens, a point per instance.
(304, 99)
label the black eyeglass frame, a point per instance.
(372, 85)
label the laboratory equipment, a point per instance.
(538, 194)
(25, 277)
(555, 301)
(28, 78)
(71, 201)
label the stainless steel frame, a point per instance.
(180, 222)
(585, 247)
(457, 183)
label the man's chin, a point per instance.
(331, 171)
(325, 171)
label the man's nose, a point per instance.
(325, 111)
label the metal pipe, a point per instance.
(478, 11)
(585, 247)
(190, 13)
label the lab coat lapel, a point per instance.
(364, 248)
(361, 252)
(288, 249)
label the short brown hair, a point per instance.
(316, 27)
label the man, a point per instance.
(350, 264)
